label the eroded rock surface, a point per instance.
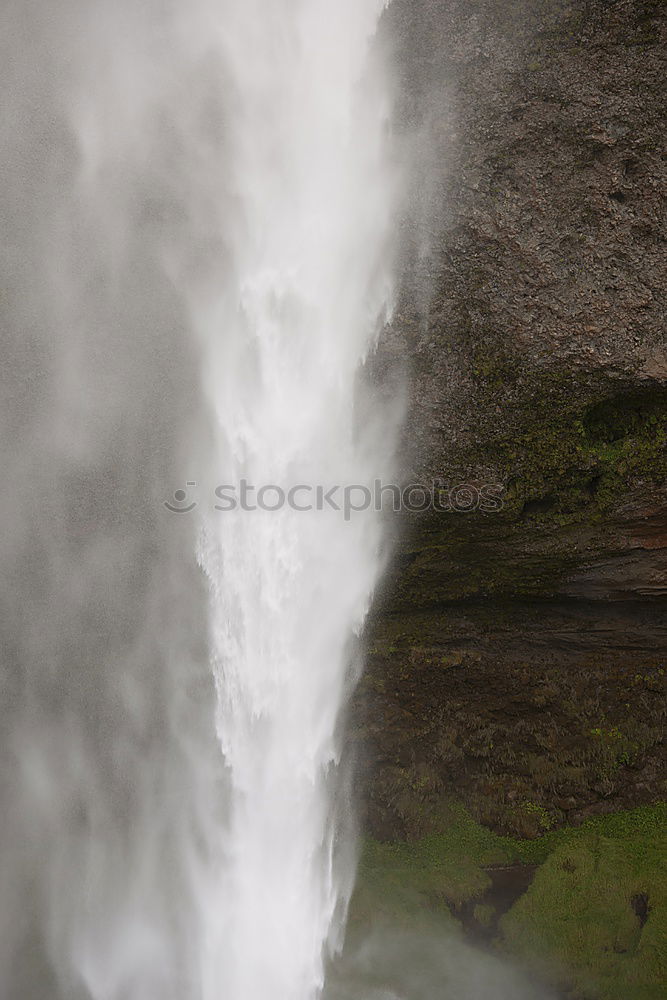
(518, 656)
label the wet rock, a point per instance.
(517, 657)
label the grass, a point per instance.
(576, 927)
(438, 869)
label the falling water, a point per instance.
(196, 213)
(307, 292)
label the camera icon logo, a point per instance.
(176, 506)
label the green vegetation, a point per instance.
(594, 920)
(440, 869)
(565, 448)
(581, 920)
(567, 455)
(544, 820)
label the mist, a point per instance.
(197, 259)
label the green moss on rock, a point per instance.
(593, 921)
(595, 917)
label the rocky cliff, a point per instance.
(517, 654)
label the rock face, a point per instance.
(517, 653)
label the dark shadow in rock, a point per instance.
(479, 917)
(641, 909)
(541, 506)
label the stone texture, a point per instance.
(517, 656)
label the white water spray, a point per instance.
(191, 192)
(191, 187)
(308, 291)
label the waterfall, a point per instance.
(308, 289)
(197, 208)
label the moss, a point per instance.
(594, 919)
(400, 880)
(569, 455)
(484, 914)
(579, 454)
(540, 814)
(582, 919)
(528, 739)
(559, 429)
